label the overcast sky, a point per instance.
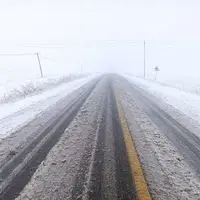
(103, 35)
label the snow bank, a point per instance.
(187, 103)
(15, 115)
(12, 91)
(187, 84)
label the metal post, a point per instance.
(41, 72)
(144, 60)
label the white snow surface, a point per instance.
(16, 114)
(13, 90)
(187, 103)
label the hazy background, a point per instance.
(96, 36)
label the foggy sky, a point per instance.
(104, 35)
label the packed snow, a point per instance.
(16, 114)
(186, 102)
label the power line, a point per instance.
(28, 54)
(98, 43)
(19, 54)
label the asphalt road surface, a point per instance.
(86, 149)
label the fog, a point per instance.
(100, 36)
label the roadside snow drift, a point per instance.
(16, 114)
(187, 103)
(15, 90)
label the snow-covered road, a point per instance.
(81, 147)
(89, 161)
(168, 150)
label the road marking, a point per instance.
(139, 181)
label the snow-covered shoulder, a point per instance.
(187, 103)
(16, 114)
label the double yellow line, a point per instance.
(138, 178)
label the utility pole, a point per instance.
(144, 59)
(41, 72)
(156, 71)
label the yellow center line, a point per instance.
(138, 178)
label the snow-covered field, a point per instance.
(188, 103)
(17, 89)
(187, 84)
(15, 114)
